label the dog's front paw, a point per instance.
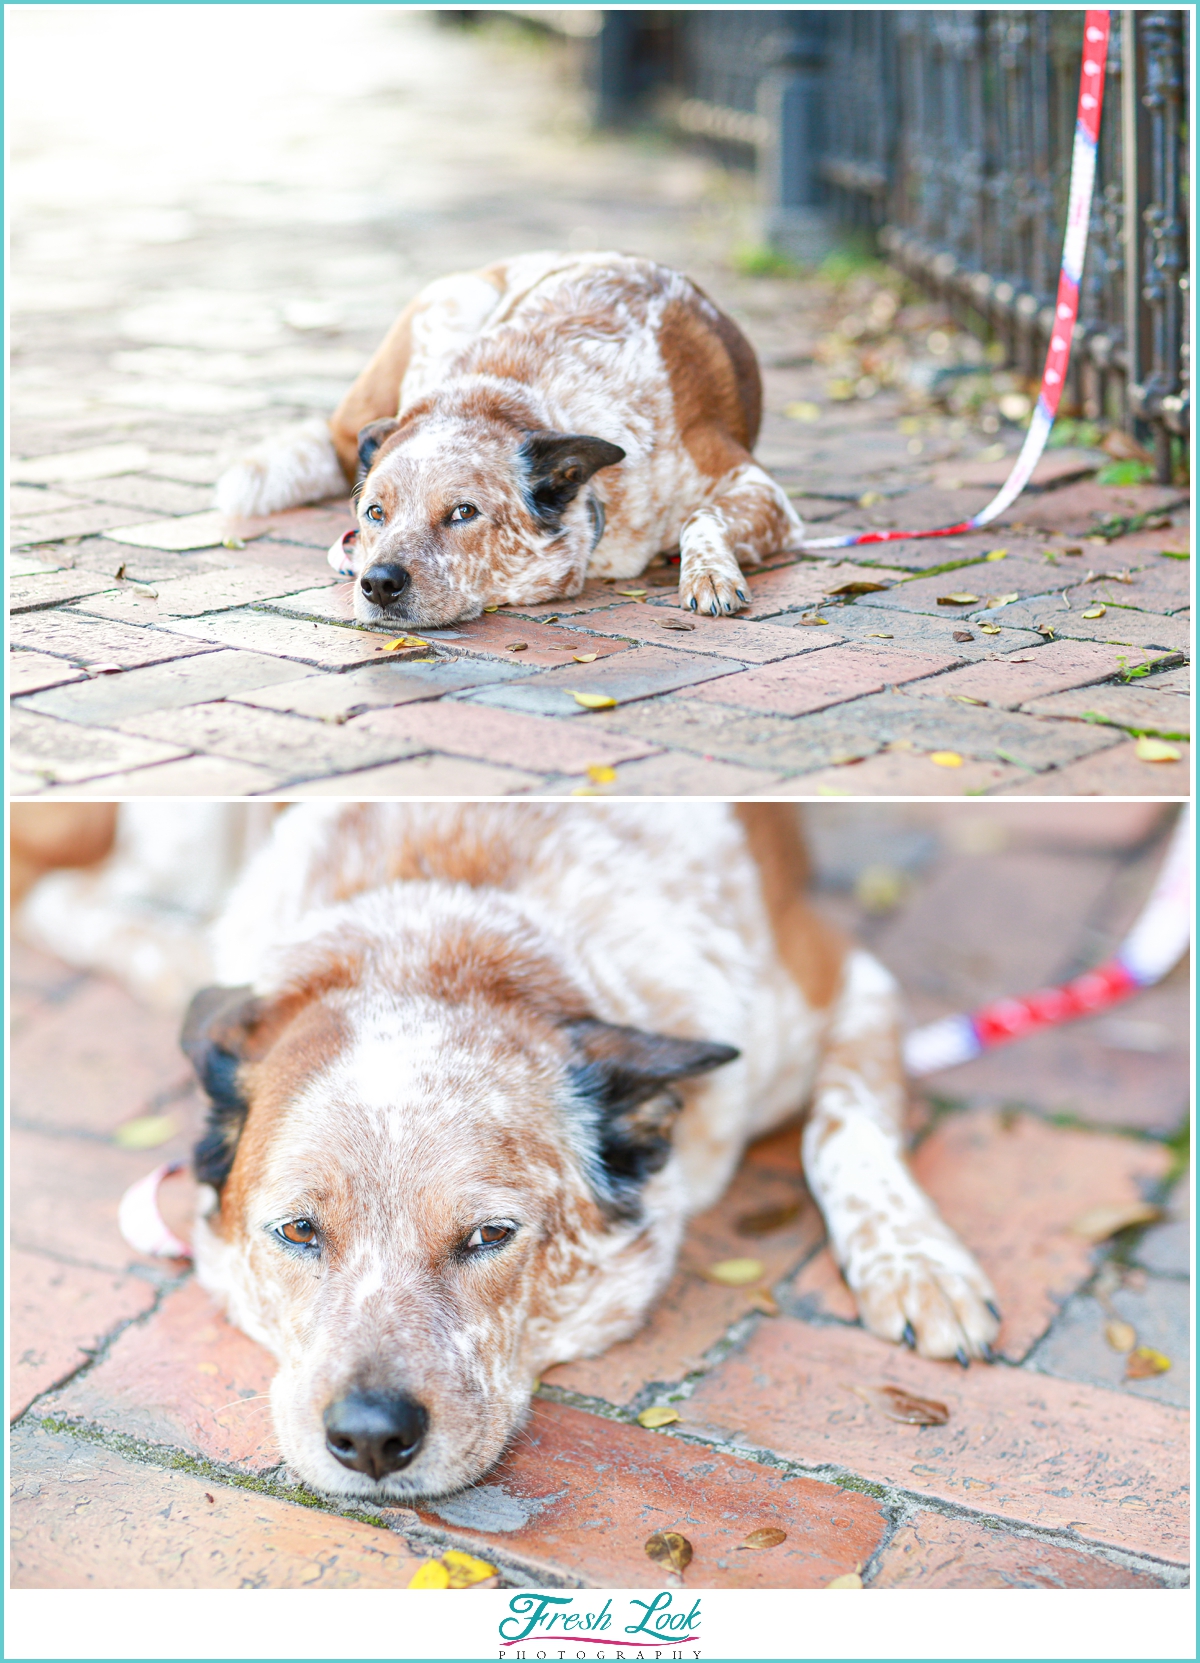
(710, 579)
(924, 1289)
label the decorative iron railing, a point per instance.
(946, 134)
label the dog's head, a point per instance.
(432, 1174)
(462, 507)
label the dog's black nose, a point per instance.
(374, 1432)
(382, 584)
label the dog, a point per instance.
(471, 1067)
(529, 425)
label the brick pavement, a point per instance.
(143, 1451)
(148, 656)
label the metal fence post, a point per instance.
(791, 100)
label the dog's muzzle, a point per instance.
(374, 1432)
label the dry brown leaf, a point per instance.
(1098, 1223)
(769, 1537)
(903, 1406)
(659, 1414)
(765, 1301)
(1144, 1363)
(769, 1220)
(518, 646)
(669, 1548)
(736, 1273)
(1121, 1336)
(675, 623)
(962, 635)
(958, 599)
(856, 586)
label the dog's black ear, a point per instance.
(558, 465)
(215, 1032)
(370, 438)
(625, 1076)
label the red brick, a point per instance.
(820, 1291)
(506, 736)
(1012, 1187)
(1051, 1453)
(59, 1315)
(1137, 708)
(596, 1490)
(596, 594)
(1079, 827)
(933, 1551)
(86, 1517)
(1075, 1071)
(900, 774)
(803, 586)
(1079, 509)
(31, 672)
(679, 774)
(96, 1060)
(65, 1194)
(735, 637)
(1054, 467)
(1116, 772)
(822, 679)
(314, 527)
(1155, 585)
(544, 643)
(1009, 682)
(37, 982)
(693, 1313)
(187, 1379)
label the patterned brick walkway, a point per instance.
(152, 338)
(143, 1453)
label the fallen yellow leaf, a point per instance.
(814, 620)
(1002, 600)
(852, 1580)
(736, 1273)
(491, 609)
(802, 410)
(989, 629)
(146, 1132)
(878, 635)
(946, 759)
(633, 594)
(1094, 612)
(1098, 1223)
(958, 598)
(1145, 1362)
(1155, 750)
(601, 774)
(593, 701)
(433, 1574)
(659, 1414)
(870, 498)
(998, 554)
(404, 641)
(585, 657)
(1122, 1336)
(464, 1570)
(765, 1302)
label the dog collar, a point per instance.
(596, 513)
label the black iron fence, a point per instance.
(946, 135)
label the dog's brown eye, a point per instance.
(299, 1231)
(464, 511)
(375, 512)
(491, 1235)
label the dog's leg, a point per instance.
(911, 1276)
(744, 517)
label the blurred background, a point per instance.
(217, 210)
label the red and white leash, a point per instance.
(1153, 947)
(1066, 310)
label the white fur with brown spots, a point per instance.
(430, 1037)
(532, 424)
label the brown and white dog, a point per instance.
(526, 426)
(471, 1068)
